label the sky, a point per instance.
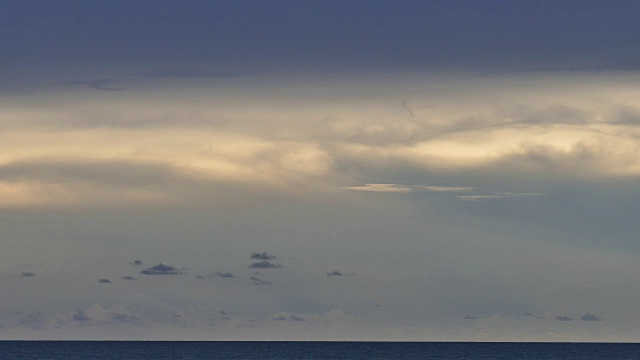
(320, 170)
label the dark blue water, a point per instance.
(130, 350)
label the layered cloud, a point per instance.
(143, 146)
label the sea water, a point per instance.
(135, 350)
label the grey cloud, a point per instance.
(291, 317)
(128, 278)
(263, 256)
(27, 274)
(265, 265)
(104, 281)
(294, 317)
(124, 318)
(590, 317)
(34, 319)
(188, 74)
(469, 317)
(136, 262)
(97, 84)
(80, 316)
(162, 269)
(334, 273)
(216, 274)
(564, 318)
(258, 281)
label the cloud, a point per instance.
(104, 281)
(162, 269)
(590, 317)
(27, 274)
(288, 317)
(564, 318)
(258, 281)
(97, 84)
(334, 273)
(216, 274)
(469, 317)
(263, 256)
(265, 265)
(80, 316)
(128, 278)
(380, 188)
(125, 318)
(498, 196)
(294, 317)
(189, 74)
(404, 189)
(136, 263)
(445, 189)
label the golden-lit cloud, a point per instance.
(73, 148)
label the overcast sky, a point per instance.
(328, 170)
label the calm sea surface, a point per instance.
(123, 350)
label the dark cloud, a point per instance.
(590, 317)
(162, 269)
(136, 262)
(265, 265)
(258, 281)
(469, 317)
(564, 318)
(216, 274)
(104, 281)
(27, 274)
(263, 256)
(124, 318)
(97, 84)
(188, 74)
(334, 273)
(80, 316)
(128, 278)
(291, 317)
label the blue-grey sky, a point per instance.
(320, 170)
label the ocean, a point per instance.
(184, 350)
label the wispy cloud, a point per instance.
(222, 275)
(104, 281)
(498, 196)
(381, 188)
(97, 84)
(258, 281)
(564, 318)
(27, 274)
(334, 273)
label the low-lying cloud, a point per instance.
(162, 269)
(222, 275)
(263, 256)
(265, 265)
